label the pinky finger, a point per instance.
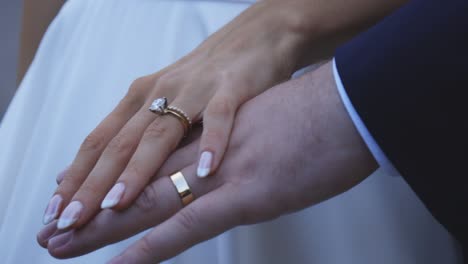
(205, 218)
(218, 120)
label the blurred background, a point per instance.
(10, 16)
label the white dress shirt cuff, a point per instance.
(374, 148)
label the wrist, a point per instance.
(279, 41)
(343, 143)
(298, 31)
(317, 28)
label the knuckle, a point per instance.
(212, 136)
(245, 214)
(166, 82)
(188, 219)
(68, 182)
(73, 178)
(230, 79)
(121, 144)
(137, 89)
(132, 171)
(139, 84)
(145, 246)
(221, 107)
(157, 129)
(93, 142)
(146, 202)
(89, 190)
(222, 74)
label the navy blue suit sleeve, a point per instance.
(406, 78)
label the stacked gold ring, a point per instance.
(182, 116)
(182, 187)
(159, 106)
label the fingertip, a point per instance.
(52, 209)
(70, 215)
(42, 243)
(114, 196)
(57, 244)
(202, 173)
(46, 233)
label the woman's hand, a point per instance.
(277, 162)
(122, 154)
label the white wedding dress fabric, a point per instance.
(88, 58)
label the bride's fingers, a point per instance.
(86, 195)
(205, 218)
(93, 146)
(181, 158)
(120, 178)
(218, 119)
(185, 155)
(159, 141)
(193, 136)
(157, 203)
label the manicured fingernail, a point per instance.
(70, 215)
(60, 240)
(113, 196)
(61, 175)
(52, 209)
(204, 166)
(47, 232)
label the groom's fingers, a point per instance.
(47, 232)
(158, 202)
(205, 218)
(111, 226)
(180, 159)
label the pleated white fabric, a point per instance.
(87, 60)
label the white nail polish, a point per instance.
(204, 166)
(52, 209)
(70, 215)
(113, 196)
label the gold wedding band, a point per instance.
(182, 187)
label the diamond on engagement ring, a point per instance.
(159, 105)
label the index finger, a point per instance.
(211, 215)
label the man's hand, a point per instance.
(292, 147)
